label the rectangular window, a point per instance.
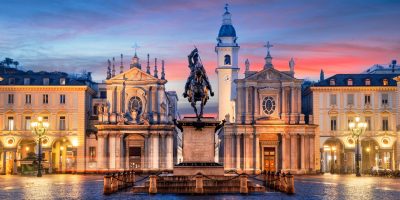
(10, 98)
(11, 81)
(28, 99)
(27, 123)
(62, 123)
(46, 81)
(92, 154)
(349, 120)
(333, 123)
(367, 99)
(10, 123)
(333, 100)
(385, 124)
(385, 99)
(350, 99)
(45, 99)
(27, 81)
(368, 121)
(62, 98)
(103, 94)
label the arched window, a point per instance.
(135, 104)
(227, 60)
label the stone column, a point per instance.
(146, 151)
(257, 153)
(50, 161)
(15, 171)
(227, 150)
(4, 161)
(100, 151)
(256, 102)
(293, 156)
(283, 104)
(118, 151)
(163, 152)
(238, 156)
(247, 103)
(155, 155)
(111, 145)
(312, 152)
(170, 154)
(299, 100)
(249, 152)
(303, 153)
(239, 105)
(284, 152)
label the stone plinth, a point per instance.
(198, 148)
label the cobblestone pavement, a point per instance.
(91, 187)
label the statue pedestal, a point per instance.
(198, 140)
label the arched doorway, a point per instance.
(333, 157)
(63, 156)
(26, 155)
(135, 152)
(370, 154)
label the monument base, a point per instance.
(191, 168)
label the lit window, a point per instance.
(385, 124)
(10, 123)
(349, 81)
(27, 123)
(385, 82)
(62, 123)
(45, 99)
(46, 81)
(332, 82)
(62, 98)
(367, 81)
(27, 81)
(62, 81)
(92, 154)
(368, 121)
(10, 98)
(28, 99)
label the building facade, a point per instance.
(336, 101)
(62, 100)
(265, 129)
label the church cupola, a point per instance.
(135, 59)
(227, 29)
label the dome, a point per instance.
(227, 30)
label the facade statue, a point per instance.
(197, 85)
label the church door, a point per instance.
(135, 157)
(269, 159)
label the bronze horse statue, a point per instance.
(198, 92)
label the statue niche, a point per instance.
(134, 113)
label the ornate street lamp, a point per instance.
(39, 128)
(357, 128)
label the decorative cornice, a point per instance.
(44, 88)
(352, 88)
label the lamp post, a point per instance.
(357, 128)
(39, 128)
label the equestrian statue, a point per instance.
(197, 85)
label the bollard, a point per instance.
(290, 182)
(277, 181)
(107, 185)
(199, 184)
(133, 178)
(153, 184)
(243, 184)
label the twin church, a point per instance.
(127, 122)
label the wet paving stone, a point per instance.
(91, 187)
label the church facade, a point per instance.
(265, 129)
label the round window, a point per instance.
(350, 141)
(385, 141)
(268, 105)
(135, 104)
(10, 141)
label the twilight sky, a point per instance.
(341, 36)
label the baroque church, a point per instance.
(265, 128)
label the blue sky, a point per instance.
(338, 36)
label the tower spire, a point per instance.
(108, 69)
(321, 75)
(247, 64)
(162, 70)
(268, 58)
(148, 64)
(122, 65)
(113, 67)
(155, 68)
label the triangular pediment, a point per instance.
(135, 74)
(270, 74)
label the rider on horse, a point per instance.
(194, 63)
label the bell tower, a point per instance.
(227, 70)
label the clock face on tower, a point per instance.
(226, 78)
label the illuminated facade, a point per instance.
(265, 128)
(59, 98)
(336, 101)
